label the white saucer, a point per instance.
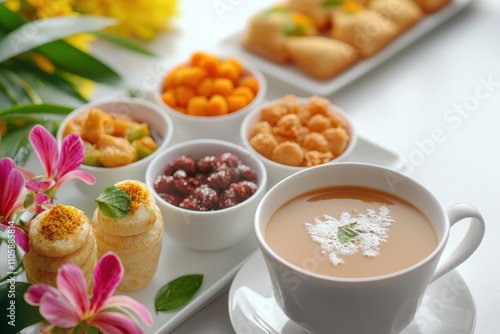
(447, 306)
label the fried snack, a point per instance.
(136, 238)
(404, 13)
(268, 30)
(365, 30)
(302, 135)
(431, 6)
(57, 236)
(314, 9)
(321, 57)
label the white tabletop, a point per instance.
(398, 105)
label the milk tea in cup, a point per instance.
(352, 247)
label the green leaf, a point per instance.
(23, 315)
(68, 58)
(17, 88)
(332, 3)
(177, 292)
(36, 109)
(39, 32)
(39, 80)
(346, 232)
(124, 42)
(114, 202)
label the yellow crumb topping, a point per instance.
(60, 222)
(138, 194)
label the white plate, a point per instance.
(218, 267)
(294, 76)
(447, 307)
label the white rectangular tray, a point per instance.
(294, 76)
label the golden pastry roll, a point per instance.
(135, 238)
(366, 30)
(142, 215)
(267, 31)
(321, 57)
(59, 231)
(135, 247)
(431, 6)
(79, 257)
(404, 13)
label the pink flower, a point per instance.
(58, 169)
(11, 189)
(69, 305)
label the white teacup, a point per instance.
(375, 305)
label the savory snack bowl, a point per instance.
(190, 119)
(277, 133)
(160, 126)
(206, 230)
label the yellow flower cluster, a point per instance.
(142, 19)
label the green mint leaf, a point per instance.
(346, 232)
(114, 202)
(292, 29)
(177, 292)
(332, 3)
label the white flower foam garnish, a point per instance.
(365, 233)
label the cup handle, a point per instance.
(469, 243)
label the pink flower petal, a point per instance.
(72, 284)
(39, 186)
(22, 238)
(72, 153)
(34, 294)
(45, 146)
(11, 187)
(108, 274)
(42, 201)
(115, 323)
(76, 174)
(132, 305)
(59, 311)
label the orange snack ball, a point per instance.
(217, 105)
(197, 106)
(236, 102)
(205, 87)
(318, 123)
(318, 105)
(337, 139)
(245, 91)
(222, 86)
(260, 127)
(171, 78)
(288, 125)
(272, 113)
(208, 62)
(182, 95)
(291, 104)
(191, 77)
(169, 98)
(337, 121)
(264, 143)
(251, 82)
(288, 153)
(229, 70)
(314, 141)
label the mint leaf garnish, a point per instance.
(347, 232)
(332, 3)
(177, 292)
(114, 202)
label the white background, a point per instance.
(398, 105)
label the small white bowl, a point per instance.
(224, 127)
(159, 122)
(207, 230)
(277, 171)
